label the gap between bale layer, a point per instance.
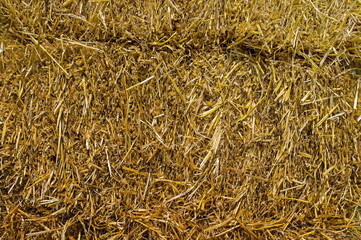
(180, 119)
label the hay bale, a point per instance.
(179, 119)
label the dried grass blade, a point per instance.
(140, 83)
(51, 57)
(326, 116)
(250, 111)
(176, 87)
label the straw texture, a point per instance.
(170, 119)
